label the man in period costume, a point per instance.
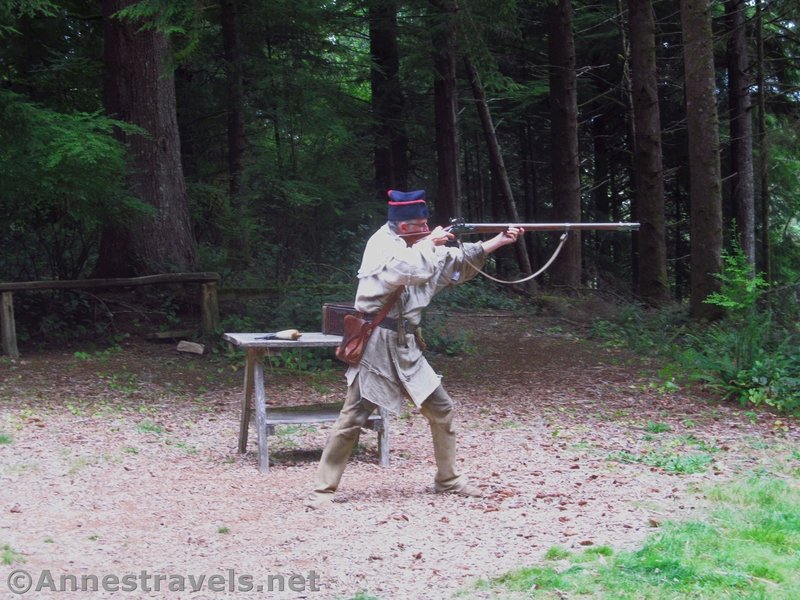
(393, 368)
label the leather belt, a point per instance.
(391, 324)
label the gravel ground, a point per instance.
(124, 464)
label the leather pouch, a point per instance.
(357, 331)
(354, 339)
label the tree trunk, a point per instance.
(236, 131)
(705, 186)
(445, 98)
(647, 165)
(741, 124)
(601, 243)
(497, 164)
(140, 89)
(391, 142)
(763, 166)
(632, 242)
(233, 60)
(681, 247)
(528, 175)
(566, 270)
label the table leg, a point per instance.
(383, 438)
(247, 398)
(261, 414)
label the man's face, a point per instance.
(415, 226)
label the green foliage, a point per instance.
(149, 427)
(11, 556)
(12, 10)
(556, 553)
(745, 356)
(363, 595)
(180, 20)
(480, 294)
(303, 359)
(671, 462)
(740, 289)
(750, 548)
(752, 355)
(63, 175)
(61, 315)
(438, 338)
(648, 332)
(653, 427)
(784, 160)
(306, 195)
(301, 305)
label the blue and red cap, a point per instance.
(407, 206)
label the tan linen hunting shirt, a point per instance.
(393, 368)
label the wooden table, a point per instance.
(268, 417)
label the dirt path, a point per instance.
(125, 463)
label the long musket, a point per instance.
(459, 227)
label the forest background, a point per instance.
(258, 139)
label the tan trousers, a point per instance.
(437, 408)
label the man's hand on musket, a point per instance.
(439, 236)
(509, 236)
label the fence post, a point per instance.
(9, 330)
(210, 307)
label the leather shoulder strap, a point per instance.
(388, 306)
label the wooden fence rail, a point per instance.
(209, 300)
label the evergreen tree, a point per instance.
(704, 162)
(564, 131)
(647, 161)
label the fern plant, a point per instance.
(745, 356)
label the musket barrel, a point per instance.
(462, 228)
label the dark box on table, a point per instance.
(333, 316)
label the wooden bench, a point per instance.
(267, 417)
(209, 301)
(311, 414)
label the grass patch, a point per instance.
(362, 595)
(188, 448)
(5, 438)
(11, 556)
(79, 463)
(285, 435)
(748, 548)
(557, 553)
(149, 427)
(683, 454)
(672, 462)
(653, 427)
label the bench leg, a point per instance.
(7, 327)
(383, 438)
